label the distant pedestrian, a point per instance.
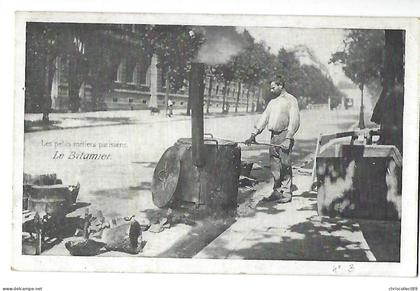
(170, 108)
(281, 117)
(227, 107)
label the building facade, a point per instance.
(133, 86)
(138, 82)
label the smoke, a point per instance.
(221, 43)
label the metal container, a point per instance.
(360, 181)
(201, 169)
(52, 199)
(216, 183)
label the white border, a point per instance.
(407, 267)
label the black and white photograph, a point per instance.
(227, 142)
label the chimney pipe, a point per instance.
(197, 123)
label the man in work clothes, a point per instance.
(281, 117)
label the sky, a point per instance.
(323, 42)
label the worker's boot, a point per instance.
(275, 196)
(286, 197)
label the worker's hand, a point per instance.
(250, 140)
(286, 144)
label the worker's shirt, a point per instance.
(282, 113)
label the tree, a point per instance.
(224, 73)
(46, 42)
(316, 84)
(361, 59)
(176, 48)
(103, 49)
(41, 50)
(253, 65)
(289, 67)
(73, 49)
(388, 111)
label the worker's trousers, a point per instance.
(280, 164)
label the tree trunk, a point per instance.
(257, 106)
(224, 95)
(209, 96)
(258, 99)
(237, 97)
(362, 113)
(189, 100)
(388, 111)
(49, 74)
(166, 92)
(247, 99)
(75, 81)
(96, 91)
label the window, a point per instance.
(139, 74)
(136, 74)
(130, 68)
(182, 103)
(147, 76)
(130, 100)
(114, 99)
(144, 101)
(121, 71)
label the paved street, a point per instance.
(120, 186)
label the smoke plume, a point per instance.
(221, 43)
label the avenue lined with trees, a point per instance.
(93, 52)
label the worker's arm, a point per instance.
(294, 118)
(262, 121)
(259, 126)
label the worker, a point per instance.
(281, 117)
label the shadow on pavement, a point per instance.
(302, 148)
(121, 193)
(197, 238)
(142, 186)
(383, 238)
(316, 239)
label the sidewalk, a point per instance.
(294, 231)
(33, 121)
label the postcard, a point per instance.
(216, 144)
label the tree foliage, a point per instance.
(176, 48)
(45, 42)
(362, 56)
(253, 64)
(256, 65)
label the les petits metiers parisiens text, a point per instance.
(81, 150)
